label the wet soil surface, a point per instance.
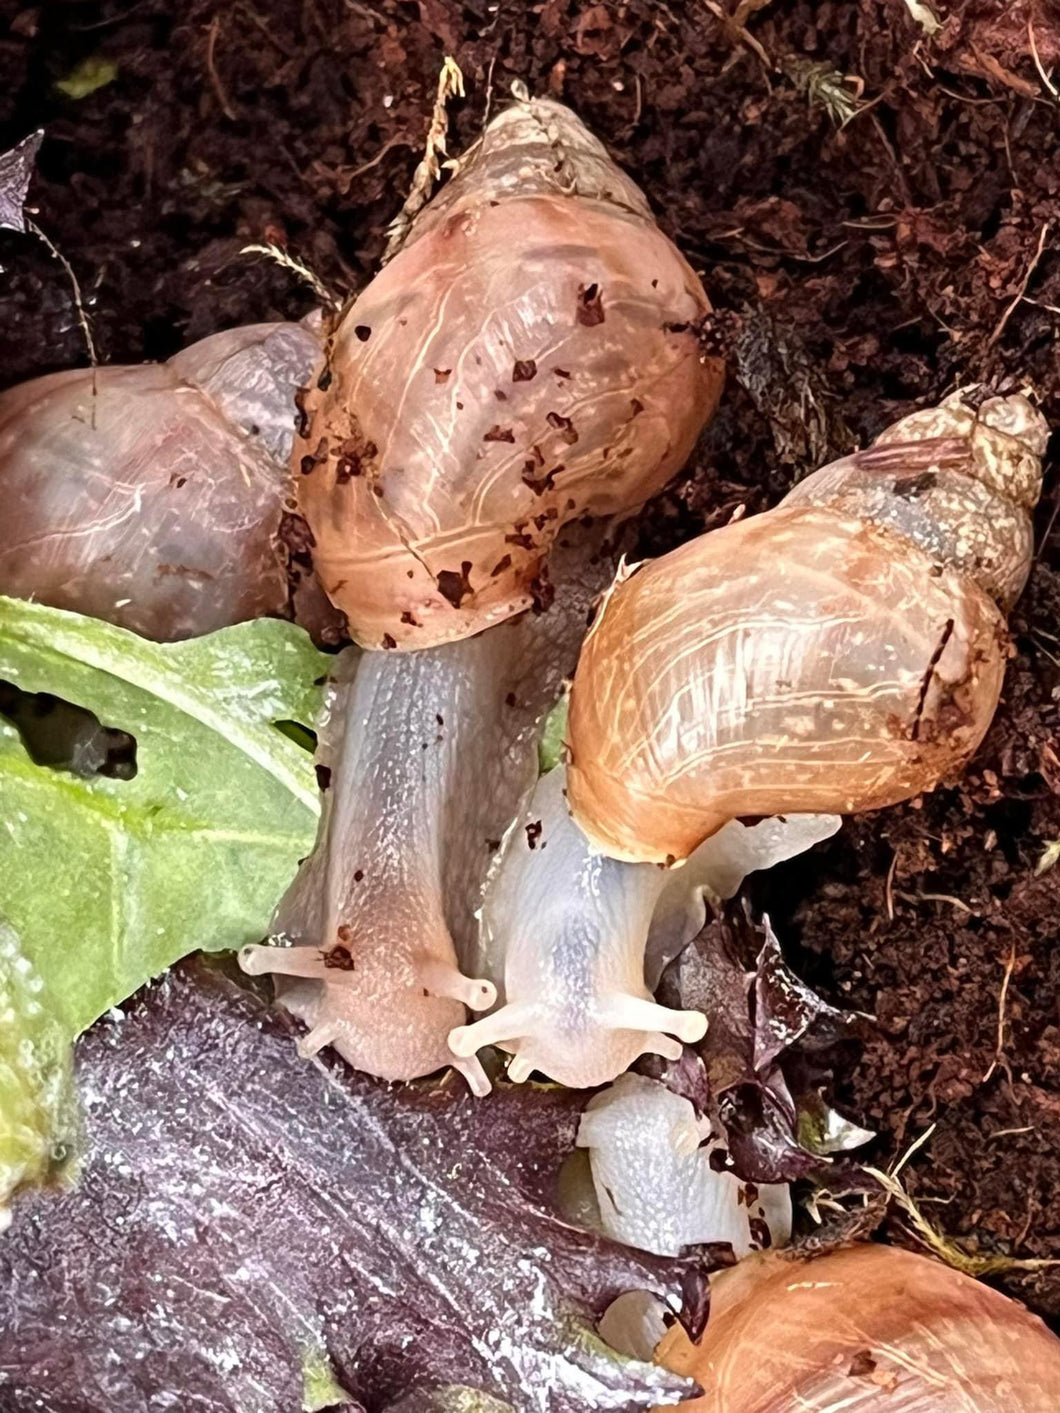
(877, 215)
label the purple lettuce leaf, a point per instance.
(786, 1010)
(751, 1069)
(239, 1208)
(16, 172)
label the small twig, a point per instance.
(960, 97)
(255, 19)
(282, 257)
(211, 68)
(935, 1240)
(942, 1246)
(914, 1147)
(888, 887)
(1010, 967)
(396, 141)
(1009, 1132)
(489, 92)
(79, 304)
(937, 898)
(1041, 304)
(1048, 531)
(779, 250)
(1044, 650)
(365, 11)
(893, 157)
(873, 223)
(1038, 63)
(450, 83)
(736, 26)
(1042, 234)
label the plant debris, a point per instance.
(757, 1012)
(16, 173)
(155, 807)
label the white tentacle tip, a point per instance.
(254, 959)
(318, 1039)
(463, 1041)
(689, 1026)
(477, 1078)
(520, 1069)
(484, 995)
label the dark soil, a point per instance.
(857, 272)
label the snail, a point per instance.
(529, 356)
(151, 496)
(838, 653)
(526, 361)
(658, 1178)
(565, 932)
(426, 756)
(835, 654)
(872, 1329)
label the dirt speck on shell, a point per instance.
(857, 270)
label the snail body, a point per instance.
(426, 757)
(151, 496)
(380, 980)
(528, 357)
(573, 941)
(839, 653)
(577, 1006)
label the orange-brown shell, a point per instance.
(798, 661)
(839, 653)
(529, 356)
(871, 1329)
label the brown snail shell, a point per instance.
(152, 496)
(838, 653)
(528, 357)
(868, 1329)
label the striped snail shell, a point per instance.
(528, 357)
(838, 653)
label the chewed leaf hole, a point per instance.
(63, 736)
(299, 734)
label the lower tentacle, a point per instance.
(257, 960)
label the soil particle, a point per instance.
(857, 271)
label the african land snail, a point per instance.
(840, 652)
(525, 360)
(574, 941)
(152, 496)
(528, 357)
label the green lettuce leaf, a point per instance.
(554, 736)
(38, 1112)
(108, 881)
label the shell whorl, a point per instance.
(960, 480)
